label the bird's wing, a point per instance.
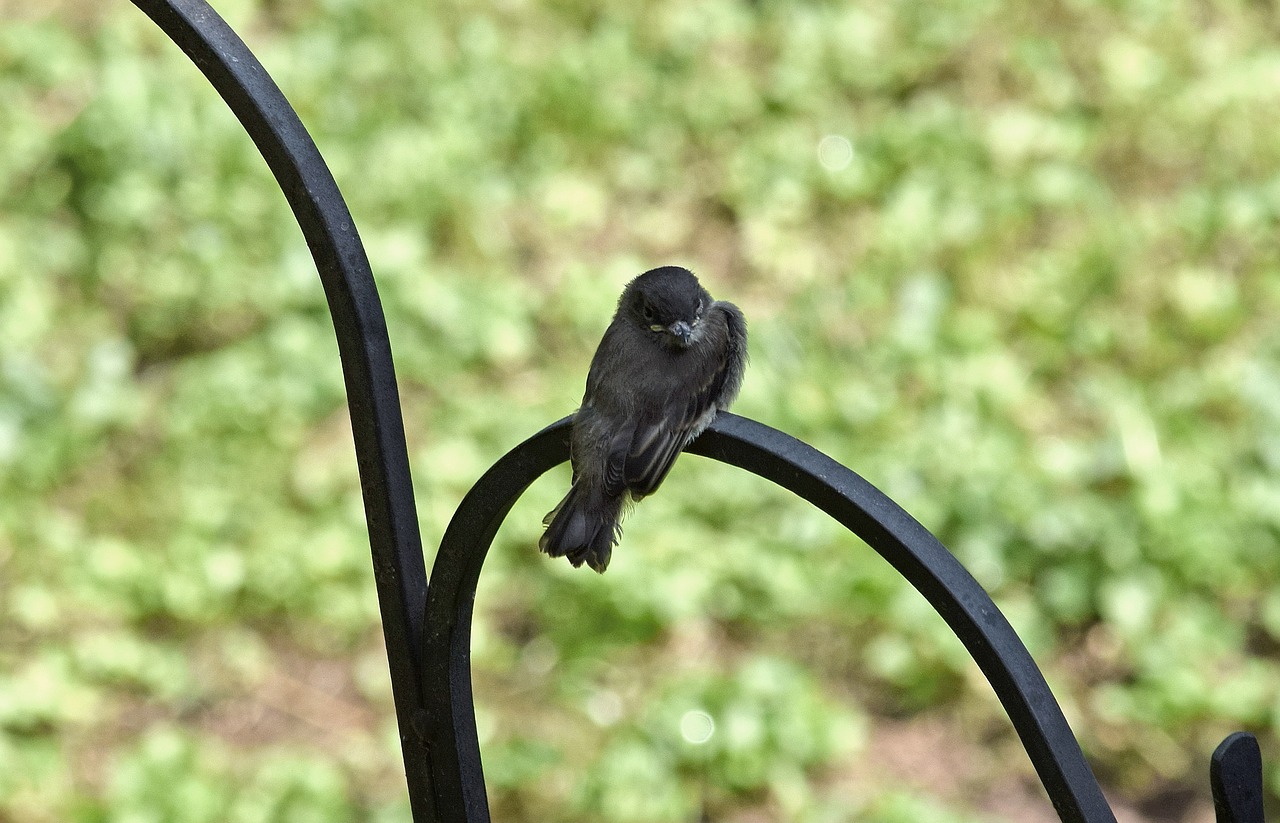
(614, 478)
(654, 448)
(658, 440)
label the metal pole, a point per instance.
(358, 320)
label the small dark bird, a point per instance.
(671, 359)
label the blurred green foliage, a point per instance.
(1017, 264)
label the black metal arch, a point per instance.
(427, 631)
(812, 475)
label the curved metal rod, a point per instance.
(363, 345)
(835, 489)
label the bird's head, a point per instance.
(668, 303)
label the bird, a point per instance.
(670, 360)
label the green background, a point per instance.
(1017, 264)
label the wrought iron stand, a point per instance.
(428, 629)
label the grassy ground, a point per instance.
(1017, 265)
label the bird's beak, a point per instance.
(681, 331)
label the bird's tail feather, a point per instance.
(584, 527)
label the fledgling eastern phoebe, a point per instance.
(671, 359)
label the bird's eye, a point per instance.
(646, 311)
(701, 306)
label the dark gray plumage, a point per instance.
(671, 359)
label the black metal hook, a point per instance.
(832, 487)
(360, 324)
